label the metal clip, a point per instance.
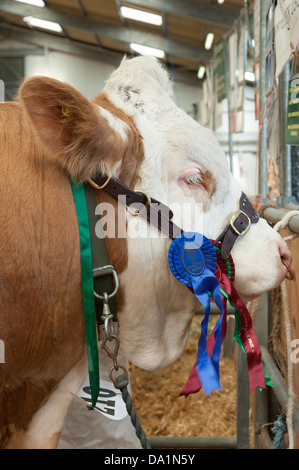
(113, 356)
(103, 271)
(107, 318)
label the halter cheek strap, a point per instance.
(239, 225)
(161, 216)
(151, 209)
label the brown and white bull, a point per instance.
(134, 131)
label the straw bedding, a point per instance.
(163, 413)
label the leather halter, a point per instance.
(160, 215)
(239, 225)
(153, 210)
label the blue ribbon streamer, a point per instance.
(208, 368)
(192, 260)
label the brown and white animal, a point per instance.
(134, 131)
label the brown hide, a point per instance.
(41, 321)
(41, 315)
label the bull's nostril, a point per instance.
(286, 259)
(285, 254)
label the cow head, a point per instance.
(185, 167)
(134, 131)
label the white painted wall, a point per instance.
(89, 76)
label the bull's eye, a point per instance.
(194, 180)
(191, 180)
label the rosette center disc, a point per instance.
(190, 255)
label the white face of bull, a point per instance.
(185, 167)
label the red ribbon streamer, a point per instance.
(247, 336)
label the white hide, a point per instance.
(155, 322)
(115, 123)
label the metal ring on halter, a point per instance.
(96, 186)
(136, 212)
(102, 271)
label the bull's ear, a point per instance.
(71, 128)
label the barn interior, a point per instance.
(234, 67)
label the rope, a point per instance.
(284, 223)
(279, 429)
(122, 383)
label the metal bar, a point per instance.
(193, 442)
(228, 343)
(292, 207)
(261, 398)
(286, 165)
(242, 401)
(228, 98)
(275, 215)
(280, 387)
(263, 187)
(61, 44)
(214, 310)
(262, 326)
(20, 52)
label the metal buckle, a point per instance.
(136, 212)
(96, 186)
(103, 271)
(234, 218)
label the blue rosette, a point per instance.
(193, 261)
(189, 255)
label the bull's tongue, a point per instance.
(197, 262)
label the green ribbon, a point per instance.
(237, 338)
(87, 291)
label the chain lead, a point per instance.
(121, 382)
